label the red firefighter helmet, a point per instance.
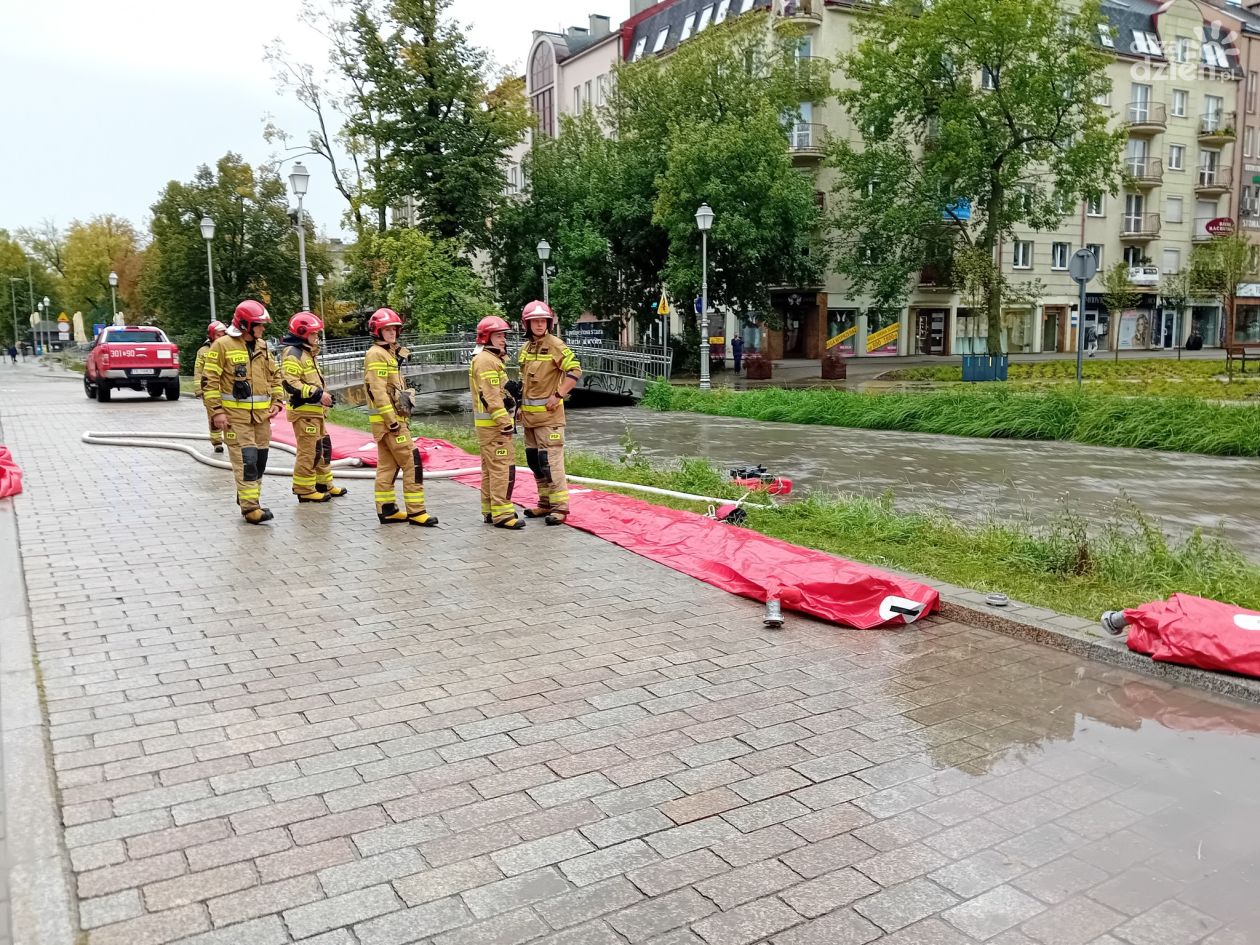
(248, 314)
(383, 318)
(305, 324)
(215, 329)
(535, 310)
(488, 326)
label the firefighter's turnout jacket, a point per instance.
(303, 383)
(238, 377)
(545, 362)
(383, 383)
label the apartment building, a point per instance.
(1177, 81)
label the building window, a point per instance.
(705, 15)
(1132, 256)
(586, 92)
(1097, 250)
(542, 76)
(638, 49)
(1252, 79)
(1059, 253)
(1096, 206)
(719, 15)
(577, 99)
(1103, 99)
(601, 89)
(1249, 140)
(1172, 260)
(1180, 102)
(987, 79)
(1104, 36)
(1177, 157)
(1023, 250)
(660, 40)
(1214, 55)
(1175, 205)
(689, 24)
(1146, 43)
(1181, 51)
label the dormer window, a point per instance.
(705, 15)
(1104, 36)
(1146, 43)
(719, 15)
(660, 40)
(688, 25)
(1214, 55)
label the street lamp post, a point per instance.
(544, 253)
(207, 234)
(13, 296)
(39, 328)
(299, 178)
(47, 333)
(704, 221)
(323, 316)
(113, 293)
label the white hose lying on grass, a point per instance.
(351, 468)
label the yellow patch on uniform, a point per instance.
(553, 436)
(230, 435)
(401, 438)
(500, 452)
(311, 430)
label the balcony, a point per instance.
(804, 12)
(807, 140)
(1145, 118)
(809, 69)
(1142, 173)
(1143, 275)
(1200, 234)
(1218, 127)
(1139, 227)
(1214, 181)
(935, 278)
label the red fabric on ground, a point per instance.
(346, 443)
(10, 474)
(1196, 632)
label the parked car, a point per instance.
(139, 357)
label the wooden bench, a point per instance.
(1242, 352)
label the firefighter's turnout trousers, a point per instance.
(486, 379)
(240, 380)
(304, 385)
(545, 363)
(216, 436)
(395, 450)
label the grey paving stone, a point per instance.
(515, 892)
(529, 856)
(317, 917)
(997, 910)
(413, 925)
(828, 892)
(661, 914)
(583, 904)
(383, 868)
(898, 907)
(444, 881)
(106, 910)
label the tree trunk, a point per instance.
(993, 290)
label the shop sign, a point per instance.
(1221, 226)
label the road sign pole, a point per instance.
(1082, 268)
(1080, 338)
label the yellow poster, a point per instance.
(842, 337)
(884, 336)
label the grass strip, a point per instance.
(1179, 424)
(1063, 565)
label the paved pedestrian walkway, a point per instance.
(327, 732)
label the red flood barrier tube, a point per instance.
(346, 443)
(780, 485)
(1193, 631)
(732, 559)
(10, 474)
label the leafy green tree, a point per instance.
(976, 117)
(1175, 290)
(104, 244)
(426, 281)
(437, 121)
(255, 249)
(1119, 295)
(1218, 268)
(15, 263)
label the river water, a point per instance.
(1008, 480)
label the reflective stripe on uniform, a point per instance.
(258, 400)
(385, 496)
(304, 480)
(535, 401)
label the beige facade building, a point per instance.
(1183, 86)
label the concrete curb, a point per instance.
(1080, 637)
(42, 905)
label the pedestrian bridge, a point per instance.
(440, 363)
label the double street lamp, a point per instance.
(704, 220)
(113, 294)
(299, 178)
(323, 316)
(13, 296)
(544, 253)
(207, 234)
(47, 333)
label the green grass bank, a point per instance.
(1177, 424)
(1058, 565)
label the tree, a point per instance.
(440, 123)
(30, 276)
(45, 243)
(1175, 290)
(426, 281)
(93, 250)
(1218, 268)
(976, 117)
(1119, 296)
(255, 249)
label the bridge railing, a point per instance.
(342, 358)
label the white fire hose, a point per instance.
(351, 468)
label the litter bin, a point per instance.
(757, 367)
(834, 368)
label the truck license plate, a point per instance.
(142, 370)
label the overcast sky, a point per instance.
(103, 103)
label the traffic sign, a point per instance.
(662, 307)
(1083, 266)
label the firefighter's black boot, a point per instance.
(424, 519)
(511, 524)
(391, 514)
(258, 516)
(313, 497)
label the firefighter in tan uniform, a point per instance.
(549, 372)
(215, 331)
(307, 410)
(492, 415)
(241, 386)
(390, 405)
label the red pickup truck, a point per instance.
(136, 356)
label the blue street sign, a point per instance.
(960, 210)
(699, 305)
